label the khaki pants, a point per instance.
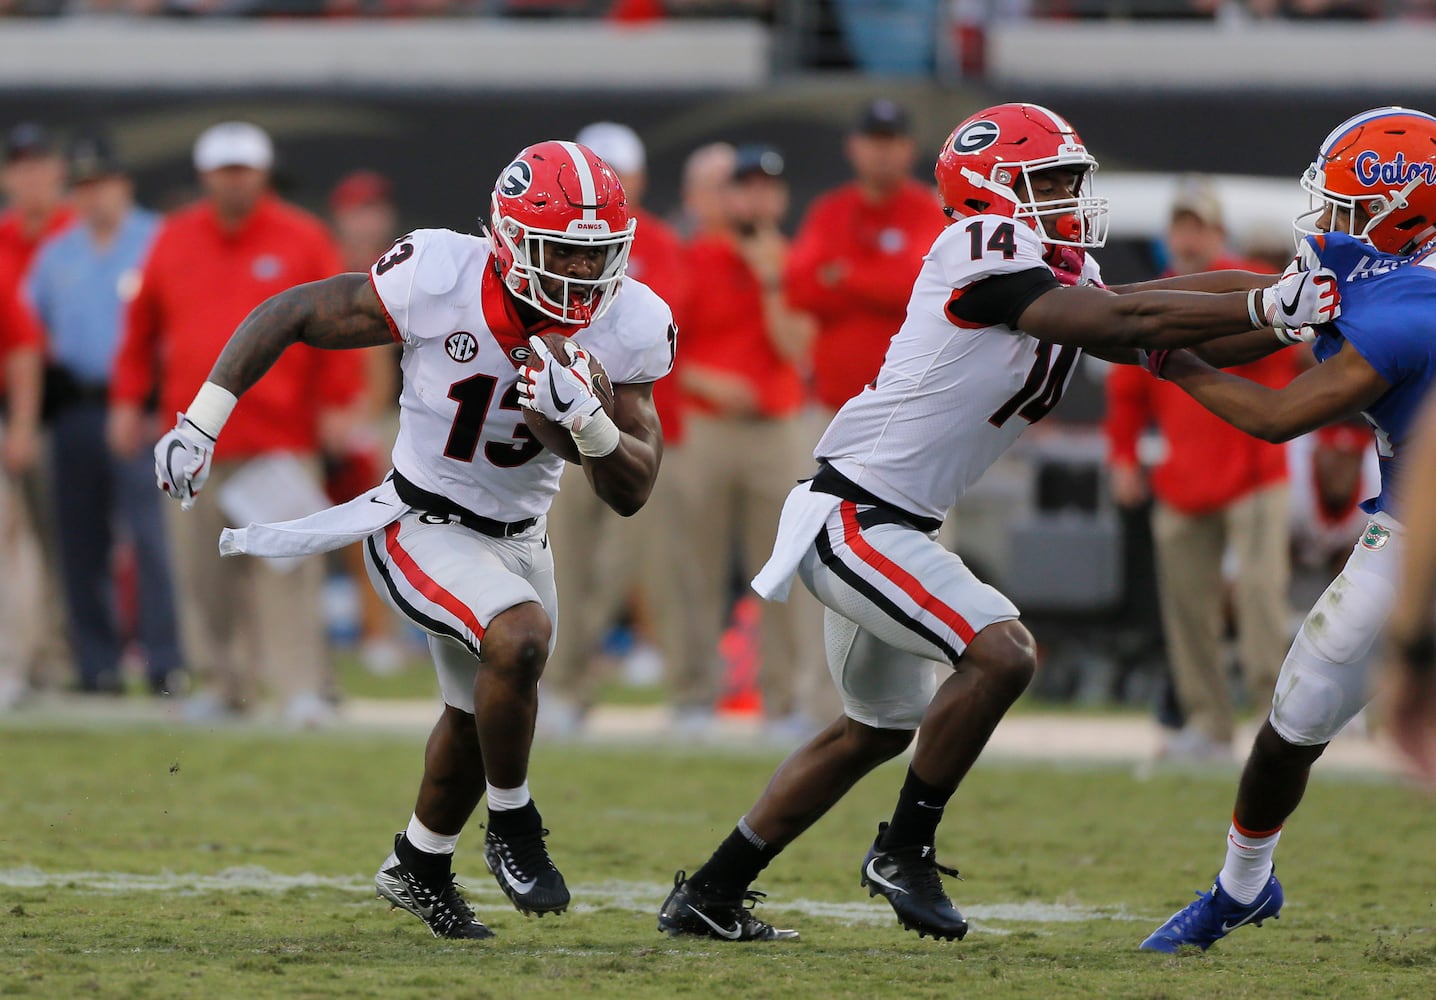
(247, 628)
(735, 476)
(34, 651)
(1189, 550)
(600, 559)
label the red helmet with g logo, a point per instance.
(985, 165)
(1383, 162)
(560, 192)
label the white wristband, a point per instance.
(598, 436)
(1253, 313)
(210, 408)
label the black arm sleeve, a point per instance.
(1000, 300)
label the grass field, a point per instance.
(141, 862)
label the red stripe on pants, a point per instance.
(892, 572)
(427, 585)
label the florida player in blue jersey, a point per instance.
(1373, 185)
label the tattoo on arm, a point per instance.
(334, 314)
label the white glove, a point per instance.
(563, 393)
(1299, 335)
(182, 460)
(1305, 295)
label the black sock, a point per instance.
(430, 868)
(736, 863)
(919, 810)
(524, 819)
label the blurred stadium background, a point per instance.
(437, 94)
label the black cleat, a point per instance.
(442, 909)
(688, 911)
(521, 865)
(909, 878)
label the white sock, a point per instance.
(427, 840)
(502, 799)
(1248, 864)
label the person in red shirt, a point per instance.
(601, 559)
(1216, 489)
(858, 251)
(210, 265)
(33, 648)
(744, 349)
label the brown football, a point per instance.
(551, 435)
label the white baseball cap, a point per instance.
(233, 144)
(617, 145)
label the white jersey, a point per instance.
(461, 431)
(952, 395)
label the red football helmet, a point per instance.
(560, 192)
(985, 158)
(1382, 161)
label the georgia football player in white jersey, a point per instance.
(455, 537)
(1005, 303)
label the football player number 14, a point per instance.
(1042, 389)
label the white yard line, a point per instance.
(636, 897)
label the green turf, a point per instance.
(94, 821)
(415, 680)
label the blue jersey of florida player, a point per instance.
(1388, 315)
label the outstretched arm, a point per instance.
(1202, 281)
(624, 477)
(339, 312)
(1342, 386)
(1241, 348)
(1091, 317)
(1223, 352)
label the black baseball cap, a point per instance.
(27, 139)
(882, 117)
(92, 157)
(757, 158)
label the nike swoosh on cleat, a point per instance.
(1290, 307)
(1228, 928)
(561, 405)
(401, 894)
(872, 873)
(386, 503)
(517, 885)
(731, 935)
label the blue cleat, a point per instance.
(1212, 917)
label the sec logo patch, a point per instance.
(462, 346)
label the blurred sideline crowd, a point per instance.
(647, 10)
(111, 316)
